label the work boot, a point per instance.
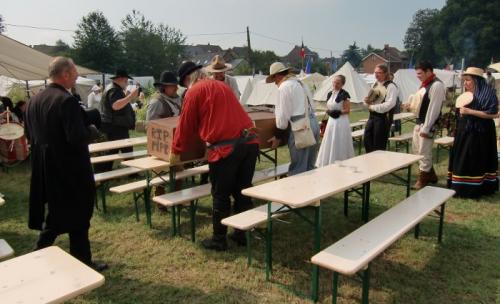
(432, 177)
(238, 237)
(422, 180)
(217, 243)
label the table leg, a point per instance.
(408, 180)
(193, 220)
(335, 284)
(147, 198)
(317, 245)
(366, 202)
(269, 236)
(441, 222)
(366, 285)
(103, 187)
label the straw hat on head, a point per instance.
(274, 69)
(472, 71)
(218, 64)
(464, 99)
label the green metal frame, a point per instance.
(439, 147)
(440, 214)
(274, 159)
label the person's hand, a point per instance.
(174, 158)
(275, 142)
(135, 92)
(465, 111)
(424, 135)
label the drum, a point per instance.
(415, 101)
(11, 131)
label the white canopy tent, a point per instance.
(20, 61)
(262, 93)
(249, 86)
(495, 66)
(313, 81)
(408, 83)
(355, 85)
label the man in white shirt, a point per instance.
(430, 111)
(94, 98)
(293, 96)
(381, 113)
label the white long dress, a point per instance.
(337, 140)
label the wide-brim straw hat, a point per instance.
(464, 99)
(472, 71)
(217, 65)
(274, 69)
(376, 95)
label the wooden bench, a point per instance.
(117, 144)
(357, 125)
(405, 139)
(190, 196)
(101, 180)
(49, 275)
(443, 143)
(139, 186)
(118, 156)
(357, 250)
(5, 250)
(357, 137)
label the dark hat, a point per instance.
(187, 68)
(121, 73)
(167, 78)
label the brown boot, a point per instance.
(422, 180)
(432, 177)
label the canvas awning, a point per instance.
(22, 62)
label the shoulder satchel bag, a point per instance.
(301, 128)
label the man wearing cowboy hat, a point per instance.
(291, 106)
(184, 72)
(218, 68)
(427, 116)
(165, 103)
(381, 110)
(211, 112)
(118, 117)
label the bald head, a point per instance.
(62, 71)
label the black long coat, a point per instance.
(61, 177)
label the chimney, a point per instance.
(386, 46)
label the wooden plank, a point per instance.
(357, 124)
(5, 249)
(147, 163)
(356, 250)
(402, 137)
(444, 141)
(404, 115)
(49, 275)
(104, 176)
(119, 156)
(116, 144)
(314, 185)
(251, 218)
(358, 133)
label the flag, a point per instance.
(302, 52)
(309, 65)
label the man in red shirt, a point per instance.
(212, 112)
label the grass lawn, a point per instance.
(149, 266)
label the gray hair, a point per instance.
(60, 65)
(196, 76)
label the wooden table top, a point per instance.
(49, 275)
(309, 187)
(116, 144)
(147, 163)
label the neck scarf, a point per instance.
(428, 80)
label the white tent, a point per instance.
(249, 86)
(495, 66)
(313, 81)
(242, 81)
(354, 84)
(21, 62)
(408, 83)
(262, 93)
(368, 78)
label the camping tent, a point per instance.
(262, 93)
(20, 61)
(249, 86)
(355, 85)
(408, 83)
(313, 81)
(368, 78)
(495, 66)
(83, 86)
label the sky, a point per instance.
(326, 26)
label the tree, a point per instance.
(419, 33)
(96, 43)
(369, 49)
(2, 26)
(148, 48)
(62, 49)
(263, 59)
(352, 54)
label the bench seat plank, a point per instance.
(251, 218)
(104, 176)
(119, 156)
(355, 251)
(5, 249)
(358, 133)
(140, 185)
(402, 137)
(444, 141)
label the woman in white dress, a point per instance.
(337, 140)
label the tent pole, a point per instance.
(27, 89)
(103, 81)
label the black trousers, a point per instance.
(376, 132)
(228, 177)
(79, 244)
(113, 133)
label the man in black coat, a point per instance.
(62, 189)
